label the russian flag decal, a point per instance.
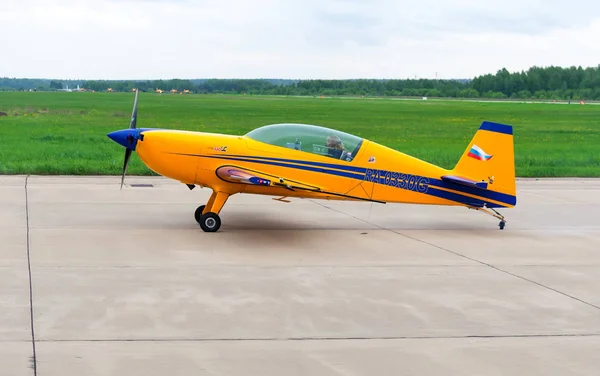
(478, 153)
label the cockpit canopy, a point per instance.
(309, 138)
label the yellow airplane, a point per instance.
(309, 161)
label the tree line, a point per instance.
(548, 83)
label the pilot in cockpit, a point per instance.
(335, 147)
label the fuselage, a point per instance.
(375, 173)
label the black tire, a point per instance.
(210, 222)
(198, 213)
(502, 224)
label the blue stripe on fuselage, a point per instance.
(380, 179)
(460, 198)
(496, 196)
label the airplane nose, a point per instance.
(125, 137)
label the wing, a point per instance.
(243, 175)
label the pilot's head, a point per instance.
(334, 142)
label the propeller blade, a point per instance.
(127, 156)
(133, 123)
(126, 138)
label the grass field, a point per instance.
(65, 133)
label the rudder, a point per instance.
(489, 157)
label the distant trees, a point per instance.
(13, 84)
(543, 83)
(54, 84)
(536, 83)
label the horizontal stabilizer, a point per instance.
(464, 181)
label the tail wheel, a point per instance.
(210, 222)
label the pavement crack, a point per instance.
(466, 257)
(341, 338)
(256, 267)
(500, 270)
(34, 357)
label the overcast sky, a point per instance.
(152, 39)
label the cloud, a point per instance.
(137, 39)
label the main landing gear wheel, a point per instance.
(198, 213)
(501, 225)
(210, 222)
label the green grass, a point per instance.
(65, 133)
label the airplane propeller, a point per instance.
(130, 139)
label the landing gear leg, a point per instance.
(207, 215)
(201, 209)
(495, 214)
